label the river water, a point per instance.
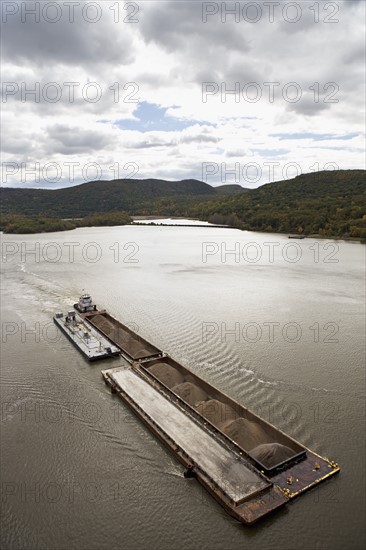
(277, 324)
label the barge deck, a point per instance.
(88, 340)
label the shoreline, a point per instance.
(293, 236)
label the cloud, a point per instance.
(201, 138)
(31, 38)
(150, 76)
(153, 143)
(74, 140)
(316, 137)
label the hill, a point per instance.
(98, 196)
(329, 204)
(230, 189)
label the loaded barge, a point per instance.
(248, 465)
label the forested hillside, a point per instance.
(330, 204)
(324, 203)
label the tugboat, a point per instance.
(85, 304)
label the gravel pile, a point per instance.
(271, 454)
(167, 374)
(219, 414)
(246, 433)
(191, 393)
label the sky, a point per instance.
(223, 92)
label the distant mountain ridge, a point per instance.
(103, 196)
(328, 203)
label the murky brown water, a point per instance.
(284, 335)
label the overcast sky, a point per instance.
(141, 89)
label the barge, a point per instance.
(248, 465)
(132, 346)
(232, 480)
(231, 444)
(89, 341)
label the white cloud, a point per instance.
(164, 59)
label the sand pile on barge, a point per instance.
(166, 374)
(126, 341)
(107, 327)
(133, 347)
(271, 454)
(219, 414)
(102, 323)
(245, 433)
(248, 434)
(191, 393)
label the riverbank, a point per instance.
(23, 225)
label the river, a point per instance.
(277, 324)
